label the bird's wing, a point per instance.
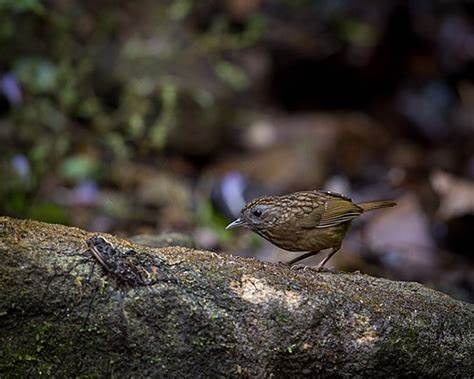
(333, 209)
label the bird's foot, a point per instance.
(282, 264)
(302, 267)
(325, 269)
(313, 269)
(290, 265)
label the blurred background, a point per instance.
(162, 118)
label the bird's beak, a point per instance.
(235, 224)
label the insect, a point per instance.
(128, 266)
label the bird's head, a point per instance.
(256, 215)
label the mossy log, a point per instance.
(200, 314)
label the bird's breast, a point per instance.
(299, 239)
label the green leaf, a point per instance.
(179, 9)
(358, 32)
(48, 212)
(37, 74)
(232, 75)
(79, 167)
(22, 6)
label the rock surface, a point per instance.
(206, 315)
(164, 240)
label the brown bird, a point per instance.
(304, 221)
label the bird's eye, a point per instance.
(257, 212)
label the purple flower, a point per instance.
(86, 193)
(11, 89)
(21, 166)
(232, 187)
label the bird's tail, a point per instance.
(371, 205)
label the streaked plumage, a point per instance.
(304, 221)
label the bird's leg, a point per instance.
(324, 261)
(301, 257)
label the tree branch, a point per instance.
(181, 312)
